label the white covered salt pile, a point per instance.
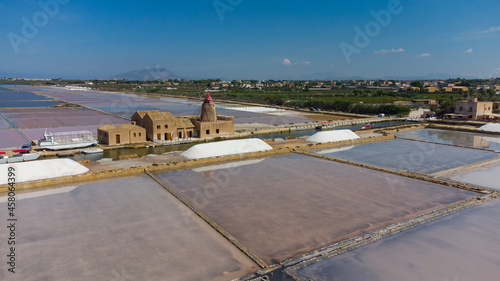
(333, 136)
(223, 148)
(42, 169)
(490, 128)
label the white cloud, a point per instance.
(424, 55)
(384, 51)
(288, 62)
(469, 51)
(489, 30)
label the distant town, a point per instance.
(389, 97)
(214, 85)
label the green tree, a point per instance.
(418, 84)
(491, 94)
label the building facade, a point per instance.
(222, 126)
(472, 109)
(123, 134)
(162, 126)
(211, 125)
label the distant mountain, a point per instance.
(431, 76)
(340, 76)
(146, 74)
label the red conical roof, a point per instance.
(208, 99)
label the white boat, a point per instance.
(20, 158)
(91, 151)
(3, 159)
(31, 156)
(15, 158)
(66, 140)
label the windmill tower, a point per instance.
(208, 113)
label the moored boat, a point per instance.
(325, 126)
(31, 156)
(3, 159)
(15, 158)
(67, 140)
(92, 151)
(65, 154)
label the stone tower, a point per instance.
(208, 113)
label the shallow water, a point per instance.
(413, 156)
(64, 119)
(4, 124)
(11, 138)
(466, 139)
(123, 229)
(21, 96)
(462, 246)
(126, 104)
(11, 104)
(285, 206)
(487, 177)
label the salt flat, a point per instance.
(413, 156)
(122, 229)
(483, 176)
(285, 206)
(462, 246)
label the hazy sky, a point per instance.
(251, 39)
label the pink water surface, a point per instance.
(11, 138)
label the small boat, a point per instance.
(65, 154)
(325, 125)
(22, 157)
(3, 159)
(20, 151)
(92, 151)
(365, 127)
(31, 156)
(15, 158)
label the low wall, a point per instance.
(185, 164)
(408, 174)
(460, 128)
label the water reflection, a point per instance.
(475, 140)
(462, 246)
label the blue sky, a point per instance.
(249, 39)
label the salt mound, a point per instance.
(333, 136)
(223, 148)
(42, 169)
(490, 128)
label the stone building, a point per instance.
(162, 126)
(211, 125)
(473, 109)
(159, 125)
(123, 134)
